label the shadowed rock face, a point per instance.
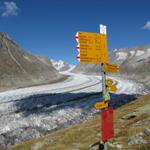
(19, 68)
(134, 63)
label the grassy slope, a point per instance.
(79, 137)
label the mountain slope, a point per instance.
(134, 63)
(19, 68)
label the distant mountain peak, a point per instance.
(4, 37)
(3, 34)
(60, 65)
(115, 50)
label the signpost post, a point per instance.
(92, 48)
(103, 31)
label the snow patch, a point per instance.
(115, 50)
(6, 129)
(58, 64)
(148, 50)
(62, 66)
(139, 53)
(121, 55)
(132, 53)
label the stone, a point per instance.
(119, 146)
(147, 131)
(137, 139)
(2, 141)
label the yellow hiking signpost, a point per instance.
(100, 105)
(109, 82)
(113, 88)
(89, 38)
(92, 48)
(112, 68)
(111, 85)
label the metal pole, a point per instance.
(103, 92)
(105, 146)
(103, 81)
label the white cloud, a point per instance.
(147, 25)
(9, 9)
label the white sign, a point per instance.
(103, 29)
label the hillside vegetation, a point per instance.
(132, 131)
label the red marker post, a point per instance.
(107, 124)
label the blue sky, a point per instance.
(48, 27)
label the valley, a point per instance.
(35, 111)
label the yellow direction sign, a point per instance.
(92, 47)
(109, 82)
(94, 52)
(111, 85)
(93, 56)
(100, 105)
(93, 39)
(113, 88)
(90, 60)
(111, 68)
